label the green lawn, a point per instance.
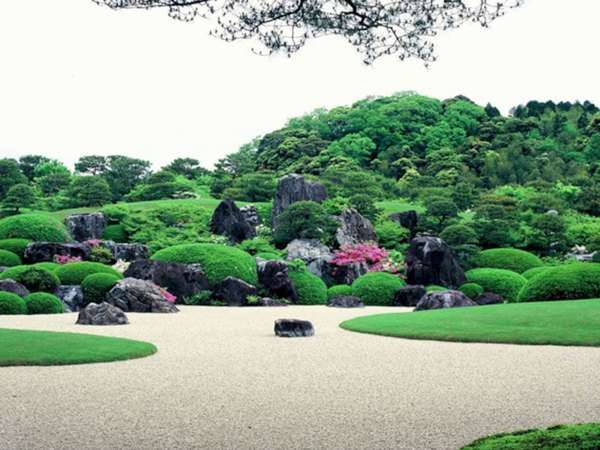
(46, 348)
(399, 205)
(563, 437)
(574, 322)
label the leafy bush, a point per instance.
(566, 282)
(390, 234)
(257, 245)
(116, 233)
(508, 258)
(376, 259)
(9, 259)
(304, 220)
(101, 255)
(96, 286)
(34, 278)
(377, 288)
(459, 234)
(201, 298)
(17, 246)
(11, 304)
(471, 290)
(499, 281)
(35, 227)
(217, 261)
(310, 288)
(43, 303)
(528, 274)
(75, 273)
(340, 289)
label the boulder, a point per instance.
(181, 280)
(407, 219)
(84, 227)
(293, 328)
(228, 220)
(354, 229)
(46, 251)
(333, 274)
(234, 292)
(135, 295)
(250, 214)
(273, 276)
(312, 252)
(127, 252)
(13, 287)
(294, 188)
(444, 299)
(409, 295)
(71, 297)
(345, 301)
(101, 314)
(266, 301)
(489, 298)
(430, 261)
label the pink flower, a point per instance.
(66, 259)
(375, 258)
(166, 295)
(93, 242)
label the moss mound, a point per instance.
(17, 246)
(9, 259)
(340, 289)
(11, 304)
(75, 273)
(36, 279)
(35, 227)
(217, 261)
(568, 282)
(43, 303)
(268, 256)
(51, 266)
(499, 281)
(377, 288)
(311, 289)
(509, 259)
(115, 233)
(96, 286)
(471, 290)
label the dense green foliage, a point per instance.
(75, 273)
(569, 281)
(96, 286)
(303, 220)
(217, 261)
(540, 323)
(390, 235)
(508, 258)
(43, 303)
(11, 304)
(16, 246)
(377, 288)
(50, 266)
(528, 274)
(115, 232)
(34, 278)
(310, 288)
(337, 290)
(499, 281)
(9, 259)
(35, 227)
(471, 290)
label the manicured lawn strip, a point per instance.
(47, 348)
(564, 437)
(573, 322)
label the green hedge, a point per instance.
(499, 281)
(310, 288)
(17, 246)
(568, 282)
(36, 279)
(508, 258)
(377, 288)
(340, 289)
(533, 272)
(43, 303)
(35, 227)
(96, 286)
(116, 233)
(51, 266)
(11, 304)
(75, 273)
(217, 261)
(9, 259)
(471, 290)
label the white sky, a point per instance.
(77, 78)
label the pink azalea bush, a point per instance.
(93, 242)
(66, 259)
(375, 258)
(166, 294)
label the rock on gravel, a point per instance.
(234, 292)
(409, 295)
(101, 314)
(444, 299)
(71, 296)
(135, 295)
(293, 328)
(345, 301)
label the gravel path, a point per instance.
(222, 380)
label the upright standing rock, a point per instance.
(274, 277)
(294, 188)
(250, 214)
(354, 229)
(84, 227)
(430, 261)
(312, 252)
(407, 219)
(228, 220)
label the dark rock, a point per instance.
(84, 227)
(312, 252)
(101, 314)
(181, 280)
(333, 274)
(250, 214)
(430, 261)
(294, 188)
(293, 328)
(407, 219)
(444, 299)
(127, 252)
(273, 276)
(489, 298)
(409, 295)
(71, 296)
(46, 251)
(234, 292)
(266, 301)
(135, 295)
(228, 220)
(354, 229)
(345, 301)
(13, 287)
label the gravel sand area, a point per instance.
(221, 379)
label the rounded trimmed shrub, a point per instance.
(217, 261)
(268, 256)
(96, 286)
(533, 272)
(17, 246)
(508, 258)
(499, 281)
(35, 227)
(51, 266)
(567, 282)
(377, 288)
(75, 273)
(43, 303)
(471, 290)
(310, 288)
(340, 289)
(11, 304)
(435, 288)
(9, 259)
(35, 279)
(115, 233)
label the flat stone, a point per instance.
(444, 299)
(293, 328)
(345, 301)
(102, 314)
